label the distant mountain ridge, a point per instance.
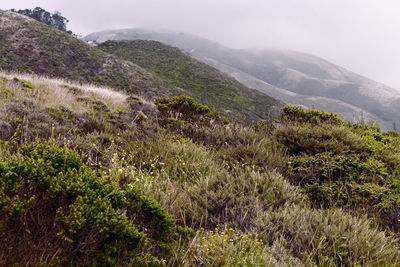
(293, 77)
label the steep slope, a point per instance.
(209, 85)
(30, 46)
(292, 77)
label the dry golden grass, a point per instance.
(50, 92)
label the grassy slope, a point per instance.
(205, 83)
(239, 188)
(51, 107)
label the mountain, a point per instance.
(31, 46)
(99, 176)
(293, 77)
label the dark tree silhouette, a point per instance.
(55, 20)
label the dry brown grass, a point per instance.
(51, 92)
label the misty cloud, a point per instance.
(362, 36)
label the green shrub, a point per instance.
(66, 213)
(247, 147)
(299, 114)
(308, 139)
(351, 166)
(325, 166)
(184, 108)
(380, 202)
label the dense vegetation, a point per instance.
(203, 82)
(107, 178)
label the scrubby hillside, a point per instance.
(115, 180)
(30, 46)
(209, 85)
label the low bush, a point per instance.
(351, 166)
(187, 109)
(66, 213)
(297, 114)
(308, 139)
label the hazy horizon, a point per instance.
(359, 36)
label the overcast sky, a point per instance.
(360, 35)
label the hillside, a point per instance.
(106, 160)
(30, 46)
(207, 84)
(293, 77)
(91, 176)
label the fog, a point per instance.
(360, 35)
